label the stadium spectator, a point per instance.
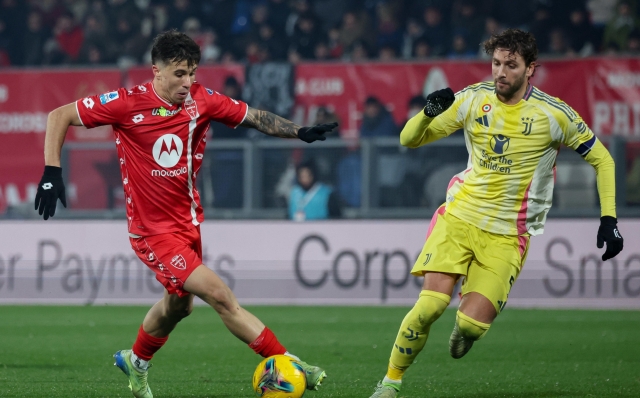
(436, 31)
(582, 36)
(387, 53)
(619, 28)
(130, 39)
(275, 45)
(179, 11)
(467, 21)
(311, 199)
(330, 12)
(415, 105)
(299, 7)
(336, 49)
(231, 89)
(389, 31)
(633, 44)
(355, 29)
(68, 39)
(491, 26)
(13, 16)
(541, 26)
(421, 49)
(460, 49)
(514, 14)
(278, 14)
(321, 52)
(255, 52)
(5, 45)
(413, 32)
(358, 52)
(209, 47)
(558, 43)
(419, 29)
(33, 40)
(306, 36)
(377, 120)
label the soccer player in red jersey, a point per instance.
(160, 130)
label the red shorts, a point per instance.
(173, 256)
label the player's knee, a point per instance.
(470, 328)
(430, 306)
(222, 300)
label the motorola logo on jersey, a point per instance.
(167, 150)
(499, 144)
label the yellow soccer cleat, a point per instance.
(137, 380)
(386, 390)
(314, 374)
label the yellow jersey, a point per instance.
(507, 186)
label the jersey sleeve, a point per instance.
(575, 132)
(103, 109)
(225, 110)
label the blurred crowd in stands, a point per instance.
(90, 32)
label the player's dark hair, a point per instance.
(514, 41)
(174, 47)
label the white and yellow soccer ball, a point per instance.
(279, 376)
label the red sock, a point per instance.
(147, 345)
(267, 344)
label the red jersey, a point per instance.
(160, 146)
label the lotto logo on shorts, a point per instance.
(179, 262)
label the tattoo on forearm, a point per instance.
(271, 124)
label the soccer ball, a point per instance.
(279, 376)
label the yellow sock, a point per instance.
(414, 331)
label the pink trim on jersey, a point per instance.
(441, 210)
(522, 244)
(522, 214)
(457, 179)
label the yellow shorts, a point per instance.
(490, 263)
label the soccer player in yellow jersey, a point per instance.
(513, 132)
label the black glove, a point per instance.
(608, 232)
(315, 133)
(50, 189)
(439, 101)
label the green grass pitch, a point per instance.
(66, 352)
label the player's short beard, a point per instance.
(512, 88)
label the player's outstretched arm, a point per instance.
(277, 126)
(58, 122)
(51, 186)
(608, 232)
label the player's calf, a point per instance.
(465, 332)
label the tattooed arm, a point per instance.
(270, 124)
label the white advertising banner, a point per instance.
(338, 262)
